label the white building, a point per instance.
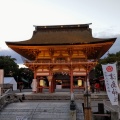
(10, 80)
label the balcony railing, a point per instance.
(41, 62)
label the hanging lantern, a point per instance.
(41, 82)
(79, 83)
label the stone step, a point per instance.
(60, 96)
(55, 110)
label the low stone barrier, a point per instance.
(45, 97)
(6, 99)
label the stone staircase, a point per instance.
(40, 110)
(43, 106)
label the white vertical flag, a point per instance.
(110, 77)
(34, 85)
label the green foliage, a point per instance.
(25, 75)
(11, 69)
(111, 58)
(8, 64)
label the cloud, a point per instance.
(10, 52)
(111, 32)
(116, 46)
(105, 32)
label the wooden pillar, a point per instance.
(87, 106)
(53, 85)
(71, 80)
(50, 81)
(41, 84)
(86, 83)
(87, 114)
(35, 77)
(37, 85)
(34, 74)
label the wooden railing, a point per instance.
(58, 62)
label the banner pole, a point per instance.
(118, 107)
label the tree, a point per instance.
(111, 58)
(9, 66)
(25, 76)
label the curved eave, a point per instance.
(94, 41)
(105, 45)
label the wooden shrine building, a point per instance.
(61, 56)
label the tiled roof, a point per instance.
(61, 35)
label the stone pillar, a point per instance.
(73, 115)
(72, 108)
(88, 83)
(114, 116)
(71, 81)
(1, 80)
(85, 84)
(50, 77)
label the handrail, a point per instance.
(108, 107)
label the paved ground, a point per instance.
(35, 110)
(42, 110)
(94, 103)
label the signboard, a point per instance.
(110, 77)
(1, 79)
(1, 76)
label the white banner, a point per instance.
(34, 85)
(110, 77)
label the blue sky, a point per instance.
(17, 18)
